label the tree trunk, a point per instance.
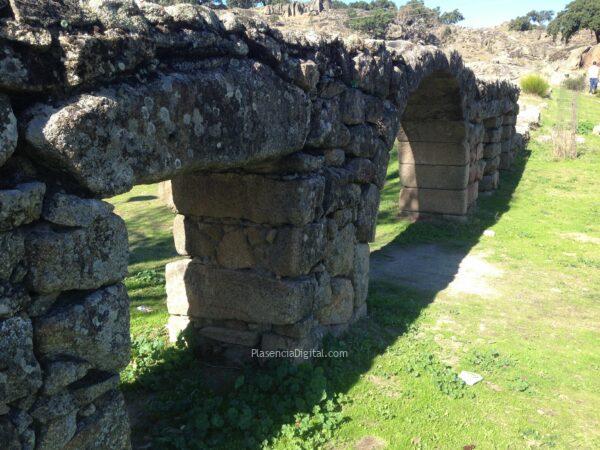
(597, 36)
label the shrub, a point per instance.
(375, 24)
(360, 5)
(338, 4)
(451, 17)
(522, 23)
(534, 84)
(372, 5)
(576, 83)
(585, 127)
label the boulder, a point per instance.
(364, 141)
(8, 129)
(79, 258)
(12, 249)
(57, 433)
(353, 107)
(13, 298)
(62, 372)
(107, 428)
(92, 328)
(94, 385)
(360, 274)
(340, 192)
(73, 211)
(20, 373)
(339, 251)
(326, 127)
(201, 291)
(340, 310)
(367, 213)
(44, 14)
(21, 205)
(9, 437)
(111, 139)
(257, 198)
(88, 58)
(21, 33)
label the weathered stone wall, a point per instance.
(276, 146)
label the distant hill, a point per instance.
(492, 52)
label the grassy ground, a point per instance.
(535, 341)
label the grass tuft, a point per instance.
(535, 85)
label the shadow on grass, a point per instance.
(141, 198)
(181, 407)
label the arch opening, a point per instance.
(434, 151)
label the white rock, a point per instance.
(470, 378)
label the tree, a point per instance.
(526, 22)
(451, 17)
(540, 17)
(382, 4)
(416, 9)
(375, 24)
(373, 5)
(245, 4)
(521, 23)
(338, 4)
(360, 5)
(578, 15)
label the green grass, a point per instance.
(535, 343)
(150, 225)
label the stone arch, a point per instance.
(277, 148)
(434, 151)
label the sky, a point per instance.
(485, 13)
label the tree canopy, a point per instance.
(373, 5)
(531, 20)
(578, 15)
(451, 17)
(375, 24)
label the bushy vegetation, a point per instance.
(578, 15)
(451, 17)
(282, 402)
(533, 19)
(585, 127)
(245, 4)
(372, 5)
(534, 84)
(575, 83)
(417, 11)
(338, 4)
(375, 24)
(413, 14)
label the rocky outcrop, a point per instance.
(276, 146)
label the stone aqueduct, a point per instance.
(277, 147)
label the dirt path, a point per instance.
(431, 267)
